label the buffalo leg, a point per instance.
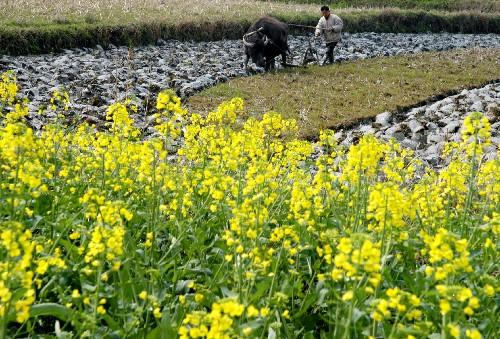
(283, 59)
(246, 62)
(269, 64)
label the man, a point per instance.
(330, 26)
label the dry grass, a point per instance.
(448, 5)
(331, 96)
(114, 11)
(42, 12)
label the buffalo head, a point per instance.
(264, 40)
(255, 47)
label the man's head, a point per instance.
(325, 10)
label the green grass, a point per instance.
(446, 5)
(36, 26)
(337, 95)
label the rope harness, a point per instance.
(305, 26)
(270, 40)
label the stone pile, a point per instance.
(97, 77)
(426, 129)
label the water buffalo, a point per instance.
(264, 40)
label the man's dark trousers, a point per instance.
(330, 46)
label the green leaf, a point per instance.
(261, 289)
(182, 286)
(43, 204)
(52, 309)
(322, 294)
(309, 299)
(357, 314)
(228, 293)
(111, 322)
(271, 334)
(70, 247)
(163, 331)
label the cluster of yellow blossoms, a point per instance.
(16, 276)
(214, 227)
(447, 254)
(218, 323)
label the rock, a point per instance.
(383, 119)
(348, 141)
(452, 127)
(420, 138)
(392, 130)
(434, 107)
(487, 99)
(414, 126)
(490, 156)
(435, 138)
(399, 136)
(446, 101)
(366, 129)
(432, 154)
(339, 135)
(456, 137)
(91, 120)
(104, 77)
(408, 143)
(472, 97)
(447, 109)
(477, 107)
(416, 112)
(431, 126)
(161, 42)
(35, 122)
(495, 141)
(445, 121)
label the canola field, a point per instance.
(214, 227)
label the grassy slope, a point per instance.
(332, 96)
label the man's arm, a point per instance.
(338, 24)
(319, 28)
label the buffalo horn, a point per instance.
(246, 43)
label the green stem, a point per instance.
(349, 318)
(274, 275)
